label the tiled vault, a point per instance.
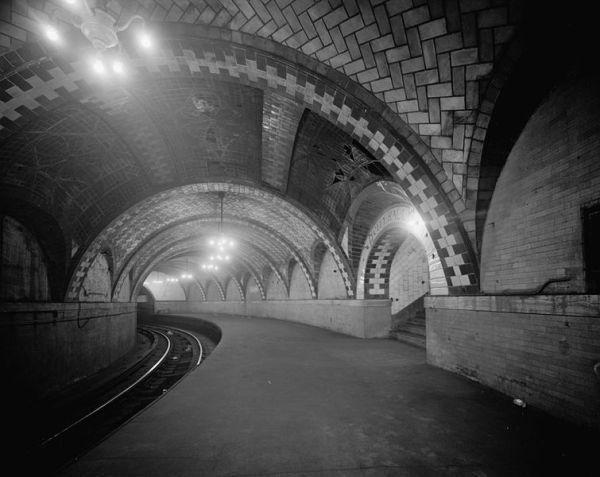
(404, 155)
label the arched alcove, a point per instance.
(164, 287)
(23, 273)
(299, 287)
(331, 284)
(253, 291)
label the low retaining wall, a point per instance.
(45, 346)
(361, 318)
(540, 349)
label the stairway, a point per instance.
(411, 324)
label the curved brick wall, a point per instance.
(533, 229)
(97, 283)
(23, 273)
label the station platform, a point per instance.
(279, 398)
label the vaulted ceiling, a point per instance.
(290, 107)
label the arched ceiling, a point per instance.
(268, 231)
(428, 61)
(127, 164)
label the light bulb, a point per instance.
(145, 40)
(118, 67)
(98, 66)
(51, 33)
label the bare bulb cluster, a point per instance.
(221, 243)
(100, 63)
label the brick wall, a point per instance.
(252, 291)
(23, 271)
(360, 318)
(275, 288)
(331, 285)
(427, 61)
(212, 292)
(97, 283)
(232, 293)
(299, 289)
(124, 291)
(195, 293)
(540, 349)
(533, 228)
(409, 274)
(45, 346)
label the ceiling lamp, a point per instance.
(221, 242)
(187, 275)
(101, 30)
(209, 267)
(219, 245)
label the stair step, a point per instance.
(414, 329)
(409, 338)
(417, 321)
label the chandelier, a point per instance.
(219, 246)
(101, 30)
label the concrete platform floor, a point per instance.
(278, 398)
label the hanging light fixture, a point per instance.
(101, 29)
(219, 245)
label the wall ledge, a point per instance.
(360, 318)
(566, 305)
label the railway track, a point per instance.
(83, 425)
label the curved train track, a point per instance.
(83, 425)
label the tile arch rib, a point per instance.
(184, 246)
(365, 210)
(388, 187)
(372, 268)
(415, 173)
(202, 220)
(422, 40)
(200, 287)
(164, 236)
(377, 275)
(384, 134)
(475, 213)
(172, 253)
(125, 226)
(238, 286)
(215, 279)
